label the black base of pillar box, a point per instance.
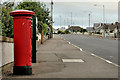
(22, 70)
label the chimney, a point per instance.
(68, 26)
(101, 24)
(116, 23)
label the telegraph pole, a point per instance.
(104, 13)
(64, 22)
(82, 21)
(51, 17)
(52, 12)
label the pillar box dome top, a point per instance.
(22, 12)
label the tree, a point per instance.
(7, 21)
(59, 32)
(67, 32)
(45, 28)
(84, 30)
(40, 9)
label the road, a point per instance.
(105, 48)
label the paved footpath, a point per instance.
(50, 63)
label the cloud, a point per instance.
(80, 11)
(80, 0)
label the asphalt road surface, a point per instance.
(105, 48)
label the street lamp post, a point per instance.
(103, 17)
(71, 18)
(60, 21)
(89, 19)
(103, 11)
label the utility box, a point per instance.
(22, 42)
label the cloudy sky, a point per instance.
(80, 10)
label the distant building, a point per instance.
(109, 29)
(55, 31)
(74, 29)
(90, 29)
(68, 26)
(98, 26)
(62, 29)
(117, 30)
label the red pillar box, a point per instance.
(22, 42)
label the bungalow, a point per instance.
(55, 31)
(117, 30)
(62, 29)
(74, 29)
(111, 30)
(90, 29)
(96, 25)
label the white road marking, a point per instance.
(105, 60)
(78, 47)
(97, 56)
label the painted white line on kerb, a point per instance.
(108, 61)
(74, 45)
(81, 49)
(105, 60)
(92, 54)
(95, 55)
(69, 42)
(77, 47)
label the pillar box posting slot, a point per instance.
(22, 42)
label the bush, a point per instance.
(98, 32)
(67, 32)
(62, 32)
(84, 30)
(59, 32)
